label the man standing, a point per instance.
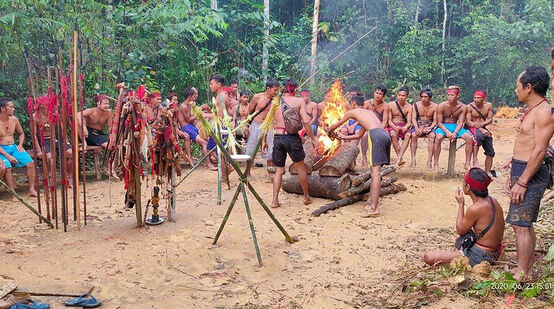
(478, 117)
(381, 110)
(260, 102)
(400, 121)
(291, 144)
(311, 108)
(221, 97)
(240, 113)
(10, 153)
(450, 120)
(424, 121)
(94, 121)
(379, 145)
(530, 175)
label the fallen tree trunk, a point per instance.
(365, 187)
(390, 189)
(311, 158)
(340, 161)
(325, 187)
(366, 174)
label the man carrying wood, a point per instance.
(478, 117)
(451, 116)
(94, 121)
(379, 143)
(288, 121)
(381, 110)
(260, 102)
(400, 121)
(424, 121)
(10, 153)
(530, 175)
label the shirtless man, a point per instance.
(530, 175)
(379, 142)
(94, 121)
(424, 121)
(484, 217)
(222, 97)
(173, 99)
(10, 153)
(400, 122)
(259, 101)
(154, 109)
(381, 110)
(478, 117)
(311, 108)
(290, 144)
(187, 125)
(240, 113)
(451, 116)
(351, 127)
(234, 85)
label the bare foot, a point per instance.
(32, 192)
(413, 165)
(275, 204)
(307, 201)
(436, 168)
(518, 274)
(398, 165)
(212, 168)
(429, 165)
(467, 166)
(369, 212)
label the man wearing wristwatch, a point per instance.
(530, 176)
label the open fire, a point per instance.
(334, 110)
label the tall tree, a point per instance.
(265, 53)
(315, 27)
(214, 5)
(443, 71)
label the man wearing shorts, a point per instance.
(400, 121)
(530, 175)
(424, 120)
(10, 153)
(381, 110)
(291, 144)
(478, 117)
(379, 143)
(94, 121)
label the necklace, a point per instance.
(530, 109)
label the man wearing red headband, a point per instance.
(311, 108)
(530, 174)
(478, 117)
(484, 217)
(450, 121)
(94, 121)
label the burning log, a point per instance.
(365, 187)
(311, 158)
(366, 175)
(340, 161)
(386, 190)
(324, 187)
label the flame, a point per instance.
(334, 111)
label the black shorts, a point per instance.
(526, 212)
(485, 141)
(95, 137)
(47, 146)
(379, 147)
(287, 143)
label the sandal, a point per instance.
(30, 304)
(85, 301)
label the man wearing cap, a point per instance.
(450, 121)
(478, 117)
(484, 217)
(94, 121)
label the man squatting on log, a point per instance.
(287, 142)
(10, 153)
(530, 175)
(379, 143)
(94, 121)
(259, 101)
(424, 121)
(450, 120)
(478, 117)
(484, 217)
(400, 121)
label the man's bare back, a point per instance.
(482, 210)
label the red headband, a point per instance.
(290, 89)
(480, 93)
(101, 97)
(305, 91)
(155, 95)
(454, 90)
(476, 184)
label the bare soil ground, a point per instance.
(341, 260)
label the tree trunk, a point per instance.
(366, 174)
(388, 190)
(315, 26)
(214, 5)
(265, 52)
(366, 185)
(443, 71)
(340, 161)
(311, 158)
(324, 187)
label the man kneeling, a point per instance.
(484, 217)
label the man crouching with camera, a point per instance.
(481, 227)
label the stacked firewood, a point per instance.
(332, 177)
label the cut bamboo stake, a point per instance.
(247, 207)
(75, 137)
(83, 142)
(194, 167)
(17, 196)
(52, 128)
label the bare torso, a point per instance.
(451, 112)
(312, 109)
(379, 108)
(184, 115)
(366, 118)
(474, 117)
(259, 100)
(42, 122)
(426, 113)
(7, 130)
(395, 112)
(483, 208)
(96, 118)
(525, 138)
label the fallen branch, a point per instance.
(366, 175)
(56, 294)
(366, 185)
(388, 190)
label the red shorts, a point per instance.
(401, 134)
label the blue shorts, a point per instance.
(22, 158)
(356, 128)
(451, 127)
(191, 130)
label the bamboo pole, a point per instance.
(247, 207)
(17, 196)
(75, 137)
(73, 141)
(63, 131)
(194, 167)
(52, 128)
(227, 214)
(83, 143)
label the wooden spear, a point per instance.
(52, 115)
(75, 137)
(83, 150)
(63, 131)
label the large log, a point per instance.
(340, 161)
(325, 187)
(364, 175)
(390, 189)
(311, 158)
(365, 187)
